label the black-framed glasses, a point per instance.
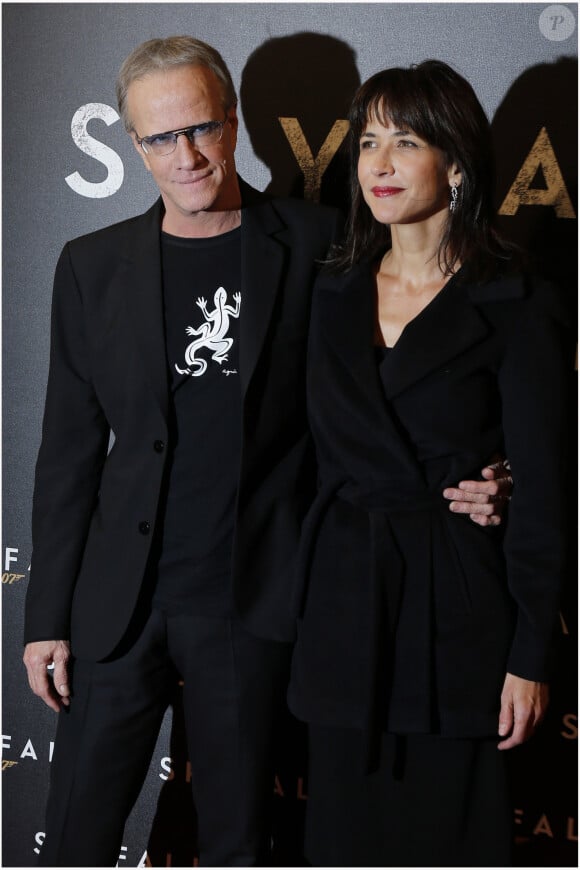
(200, 136)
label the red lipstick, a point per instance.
(386, 191)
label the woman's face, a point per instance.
(403, 179)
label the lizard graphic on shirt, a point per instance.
(212, 334)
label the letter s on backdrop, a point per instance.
(95, 149)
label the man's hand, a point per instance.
(37, 656)
(484, 500)
(523, 705)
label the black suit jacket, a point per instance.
(94, 512)
(413, 614)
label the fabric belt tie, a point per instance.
(396, 496)
(381, 502)
(385, 588)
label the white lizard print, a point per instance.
(212, 334)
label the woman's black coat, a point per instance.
(412, 615)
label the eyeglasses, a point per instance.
(199, 135)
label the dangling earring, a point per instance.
(454, 196)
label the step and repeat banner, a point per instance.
(70, 168)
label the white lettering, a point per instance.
(166, 765)
(28, 751)
(39, 838)
(8, 557)
(97, 150)
(6, 738)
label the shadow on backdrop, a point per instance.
(535, 142)
(311, 79)
(543, 98)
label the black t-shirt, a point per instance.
(202, 304)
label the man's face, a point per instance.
(193, 183)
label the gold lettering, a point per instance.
(570, 830)
(146, 861)
(570, 722)
(562, 620)
(11, 578)
(555, 194)
(278, 787)
(543, 827)
(313, 168)
(300, 793)
(6, 765)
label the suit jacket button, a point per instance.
(144, 527)
(158, 446)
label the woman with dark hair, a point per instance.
(423, 637)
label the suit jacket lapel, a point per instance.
(262, 266)
(142, 282)
(263, 260)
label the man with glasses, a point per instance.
(173, 475)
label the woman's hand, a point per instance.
(523, 705)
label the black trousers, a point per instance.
(234, 686)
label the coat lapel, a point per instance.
(344, 321)
(446, 328)
(141, 278)
(347, 318)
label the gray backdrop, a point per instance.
(69, 168)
